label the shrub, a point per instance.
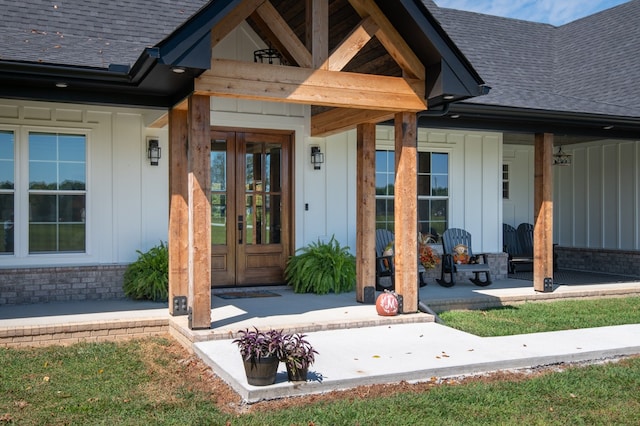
(321, 267)
(148, 277)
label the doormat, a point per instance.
(246, 294)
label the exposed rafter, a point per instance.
(352, 44)
(233, 19)
(390, 39)
(338, 120)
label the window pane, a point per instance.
(6, 174)
(440, 185)
(440, 163)
(43, 238)
(42, 147)
(6, 160)
(424, 185)
(272, 164)
(249, 227)
(72, 237)
(72, 176)
(273, 219)
(43, 175)
(218, 219)
(71, 208)
(7, 220)
(424, 162)
(6, 146)
(42, 208)
(71, 148)
(218, 165)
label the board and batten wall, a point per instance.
(126, 201)
(596, 198)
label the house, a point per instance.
(196, 122)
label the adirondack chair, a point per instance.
(458, 257)
(525, 238)
(511, 246)
(384, 262)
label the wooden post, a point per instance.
(405, 211)
(365, 213)
(199, 165)
(320, 34)
(543, 213)
(178, 210)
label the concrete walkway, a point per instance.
(356, 346)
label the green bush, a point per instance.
(148, 276)
(320, 268)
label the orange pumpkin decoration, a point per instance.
(387, 304)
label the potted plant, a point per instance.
(261, 353)
(298, 356)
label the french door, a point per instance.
(250, 207)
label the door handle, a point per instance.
(240, 228)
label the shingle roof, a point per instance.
(88, 33)
(589, 66)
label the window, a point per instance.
(7, 183)
(57, 192)
(505, 181)
(433, 191)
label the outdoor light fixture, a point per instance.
(153, 151)
(317, 157)
(561, 158)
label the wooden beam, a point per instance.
(366, 213)
(233, 19)
(178, 207)
(320, 34)
(352, 44)
(275, 83)
(268, 18)
(543, 205)
(338, 120)
(199, 182)
(163, 120)
(391, 39)
(405, 210)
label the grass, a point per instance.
(154, 381)
(534, 317)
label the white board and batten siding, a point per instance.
(597, 198)
(126, 200)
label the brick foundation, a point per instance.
(61, 284)
(68, 334)
(497, 262)
(620, 262)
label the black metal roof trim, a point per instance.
(521, 120)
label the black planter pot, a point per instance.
(297, 375)
(261, 371)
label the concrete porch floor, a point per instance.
(356, 346)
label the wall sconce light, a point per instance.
(153, 151)
(317, 157)
(561, 158)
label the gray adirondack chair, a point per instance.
(512, 246)
(458, 257)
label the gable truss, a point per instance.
(317, 77)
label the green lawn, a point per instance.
(537, 317)
(154, 381)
